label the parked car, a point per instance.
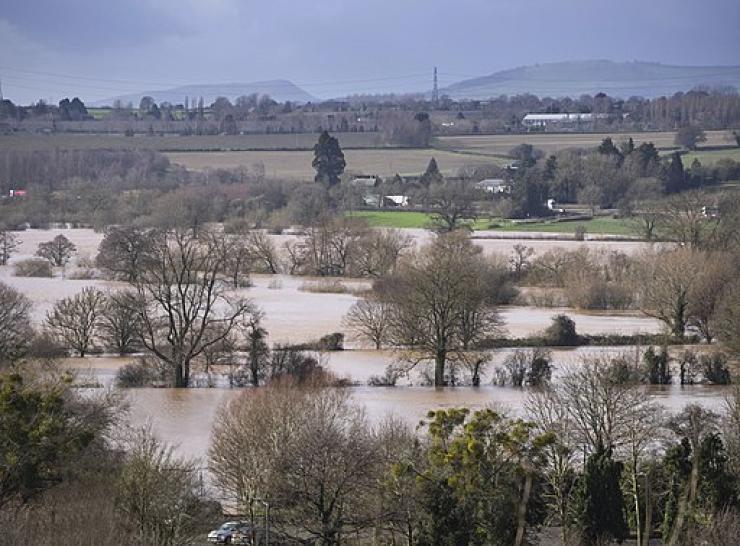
(225, 533)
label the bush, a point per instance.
(562, 332)
(531, 367)
(33, 267)
(657, 367)
(331, 342)
(44, 345)
(142, 373)
(715, 369)
(596, 293)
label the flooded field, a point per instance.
(184, 417)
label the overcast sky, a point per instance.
(102, 48)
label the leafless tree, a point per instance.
(307, 450)
(370, 320)
(75, 321)
(158, 492)
(123, 251)
(664, 286)
(550, 414)
(264, 256)
(15, 323)
(442, 303)
(182, 302)
(58, 251)
(727, 320)
(521, 260)
(601, 406)
(453, 203)
(119, 322)
(8, 245)
(378, 252)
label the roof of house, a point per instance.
(491, 182)
(561, 117)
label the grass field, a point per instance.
(500, 145)
(73, 141)
(297, 164)
(415, 219)
(709, 157)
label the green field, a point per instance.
(710, 157)
(415, 219)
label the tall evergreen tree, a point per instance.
(598, 500)
(674, 178)
(328, 160)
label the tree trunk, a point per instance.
(522, 511)
(439, 368)
(648, 514)
(686, 500)
(636, 497)
(180, 380)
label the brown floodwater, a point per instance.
(184, 417)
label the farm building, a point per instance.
(493, 185)
(395, 201)
(364, 182)
(563, 120)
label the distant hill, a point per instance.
(280, 90)
(575, 78)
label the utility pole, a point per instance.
(1, 90)
(435, 89)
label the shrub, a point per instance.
(715, 369)
(331, 342)
(141, 373)
(562, 332)
(32, 267)
(657, 368)
(43, 345)
(325, 287)
(530, 366)
(388, 379)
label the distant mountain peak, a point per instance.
(280, 90)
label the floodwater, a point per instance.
(184, 417)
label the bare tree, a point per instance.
(181, 298)
(453, 203)
(15, 323)
(370, 320)
(75, 320)
(119, 322)
(264, 256)
(124, 251)
(8, 245)
(157, 492)
(601, 406)
(307, 450)
(442, 303)
(664, 286)
(521, 260)
(58, 251)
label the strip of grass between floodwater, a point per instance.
(593, 340)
